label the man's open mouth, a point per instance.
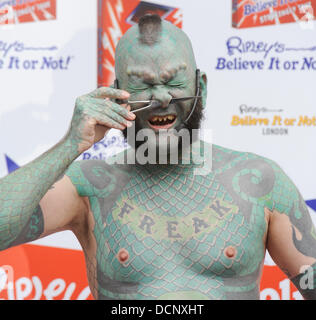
(162, 122)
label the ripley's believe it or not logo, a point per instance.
(258, 13)
(270, 121)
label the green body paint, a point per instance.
(176, 225)
(21, 219)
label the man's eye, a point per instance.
(176, 85)
(141, 88)
(136, 89)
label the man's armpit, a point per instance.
(32, 230)
(58, 179)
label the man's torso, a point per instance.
(184, 236)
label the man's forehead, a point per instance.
(168, 66)
(164, 48)
(172, 50)
(154, 73)
(162, 54)
(161, 59)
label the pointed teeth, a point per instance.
(163, 118)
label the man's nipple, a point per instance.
(230, 252)
(122, 255)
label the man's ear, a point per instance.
(203, 87)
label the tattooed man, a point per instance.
(160, 231)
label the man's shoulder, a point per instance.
(225, 159)
(259, 169)
(92, 177)
(220, 151)
(222, 154)
(261, 176)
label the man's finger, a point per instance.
(123, 111)
(105, 92)
(107, 106)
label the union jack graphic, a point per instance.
(19, 11)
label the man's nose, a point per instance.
(161, 94)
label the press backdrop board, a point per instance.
(261, 98)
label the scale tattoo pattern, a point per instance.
(21, 217)
(177, 226)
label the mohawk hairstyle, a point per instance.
(149, 28)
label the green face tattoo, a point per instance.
(156, 61)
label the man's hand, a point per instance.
(95, 114)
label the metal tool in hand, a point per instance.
(156, 103)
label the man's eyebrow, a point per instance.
(137, 73)
(169, 74)
(166, 74)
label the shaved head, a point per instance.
(152, 40)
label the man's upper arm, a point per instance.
(61, 207)
(291, 238)
(58, 210)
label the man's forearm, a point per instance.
(22, 190)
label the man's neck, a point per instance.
(189, 157)
(192, 157)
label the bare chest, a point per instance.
(176, 232)
(164, 230)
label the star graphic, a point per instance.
(11, 165)
(311, 204)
